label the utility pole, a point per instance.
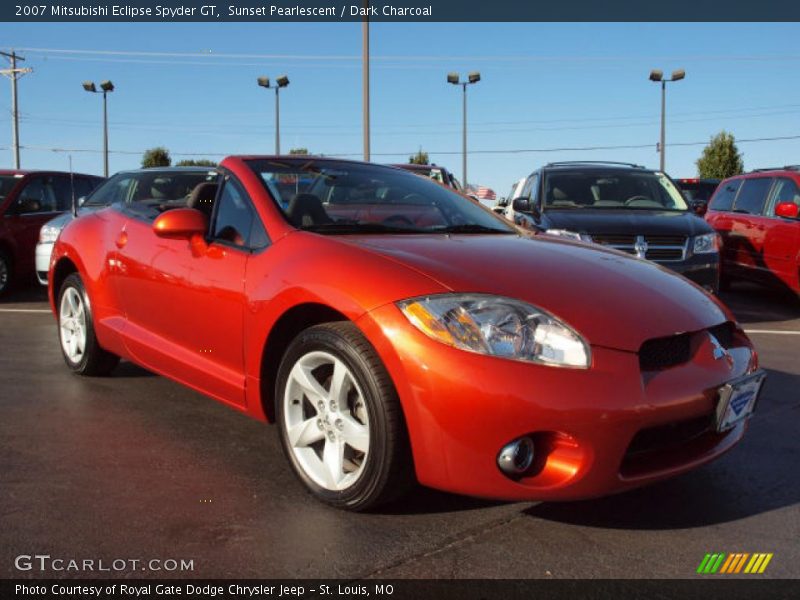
(13, 74)
(365, 81)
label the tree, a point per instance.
(302, 151)
(156, 157)
(721, 158)
(420, 158)
(195, 162)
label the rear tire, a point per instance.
(340, 420)
(79, 346)
(6, 272)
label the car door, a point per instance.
(184, 302)
(748, 225)
(781, 244)
(35, 204)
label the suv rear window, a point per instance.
(726, 192)
(753, 195)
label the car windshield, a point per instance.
(635, 190)
(338, 197)
(7, 183)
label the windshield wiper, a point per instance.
(469, 228)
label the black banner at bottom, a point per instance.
(401, 589)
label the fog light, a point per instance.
(516, 457)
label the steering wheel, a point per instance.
(633, 199)
(398, 220)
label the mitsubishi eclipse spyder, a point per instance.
(397, 332)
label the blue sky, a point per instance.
(543, 86)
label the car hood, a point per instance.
(61, 220)
(612, 299)
(636, 222)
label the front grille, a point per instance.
(657, 438)
(655, 247)
(614, 240)
(664, 254)
(662, 353)
(665, 240)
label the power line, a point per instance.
(442, 152)
(410, 58)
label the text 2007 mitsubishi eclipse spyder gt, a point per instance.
(395, 330)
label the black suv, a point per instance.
(622, 206)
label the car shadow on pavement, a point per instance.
(752, 303)
(757, 476)
(422, 500)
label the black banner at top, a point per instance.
(397, 10)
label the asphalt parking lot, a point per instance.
(138, 467)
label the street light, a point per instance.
(657, 76)
(280, 82)
(473, 77)
(105, 87)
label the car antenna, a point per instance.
(72, 189)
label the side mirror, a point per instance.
(699, 207)
(521, 205)
(181, 223)
(788, 210)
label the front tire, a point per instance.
(340, 420)
(79, 346)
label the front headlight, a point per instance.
(572, 235)
(48, 234)
(706, 244)
(498, 326)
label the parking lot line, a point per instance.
(24, 310)
(772, 331)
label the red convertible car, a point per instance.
(396, 331)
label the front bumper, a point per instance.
(462, 408)
(702, 269)
(43, 253)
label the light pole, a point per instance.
(473, 77)
(280, 82)
(657, 76)
(105, 87)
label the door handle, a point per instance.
(122, 239)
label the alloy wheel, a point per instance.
(326, 420)
(72, 323)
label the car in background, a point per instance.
(622, 206)
(28, 199)
(394, 330)
(435, 172)
(504, 205)
(757, 216)
(698, 191)
(168, 184)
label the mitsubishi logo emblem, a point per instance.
(640, 247)
(719, 352)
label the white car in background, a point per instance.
(505, 206)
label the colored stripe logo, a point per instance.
(738, 562)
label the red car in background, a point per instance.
(394, 330)
(756, 214)
(28, 199)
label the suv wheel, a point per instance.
(6, 271)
